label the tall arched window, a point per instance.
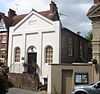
(81, 49)
(70, 46)
(49, 54)
(17, 54)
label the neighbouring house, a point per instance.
(39, 38)
(5, 23)
(94, 15)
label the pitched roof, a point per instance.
(52, 16)
(7, 20)
(18, 18)
(13, 19)
(64, 29)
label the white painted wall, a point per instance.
(38, 31)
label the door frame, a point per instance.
(32, 50)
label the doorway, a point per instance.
(32, 60)
(67, 81)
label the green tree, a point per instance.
(3, 86)
(89, 37)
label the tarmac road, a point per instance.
(20, 91)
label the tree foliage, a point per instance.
(89, 37)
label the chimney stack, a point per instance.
(53, 7)
(96, 1)
(11, 13)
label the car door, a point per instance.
(91, 90)
(97, 90)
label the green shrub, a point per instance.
(3, 86)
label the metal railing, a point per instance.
(15, 68)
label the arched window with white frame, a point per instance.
(17, 54)
(49, 55)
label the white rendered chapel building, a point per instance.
(34, 37)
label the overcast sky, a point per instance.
(74, 11)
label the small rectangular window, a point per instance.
(2, 54)
(3, 46)
(3, 38)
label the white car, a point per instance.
(87, 89)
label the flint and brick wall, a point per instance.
(25, 81)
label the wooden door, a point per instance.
(67, 81)
(31, 59)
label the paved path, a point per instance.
(20, 91)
